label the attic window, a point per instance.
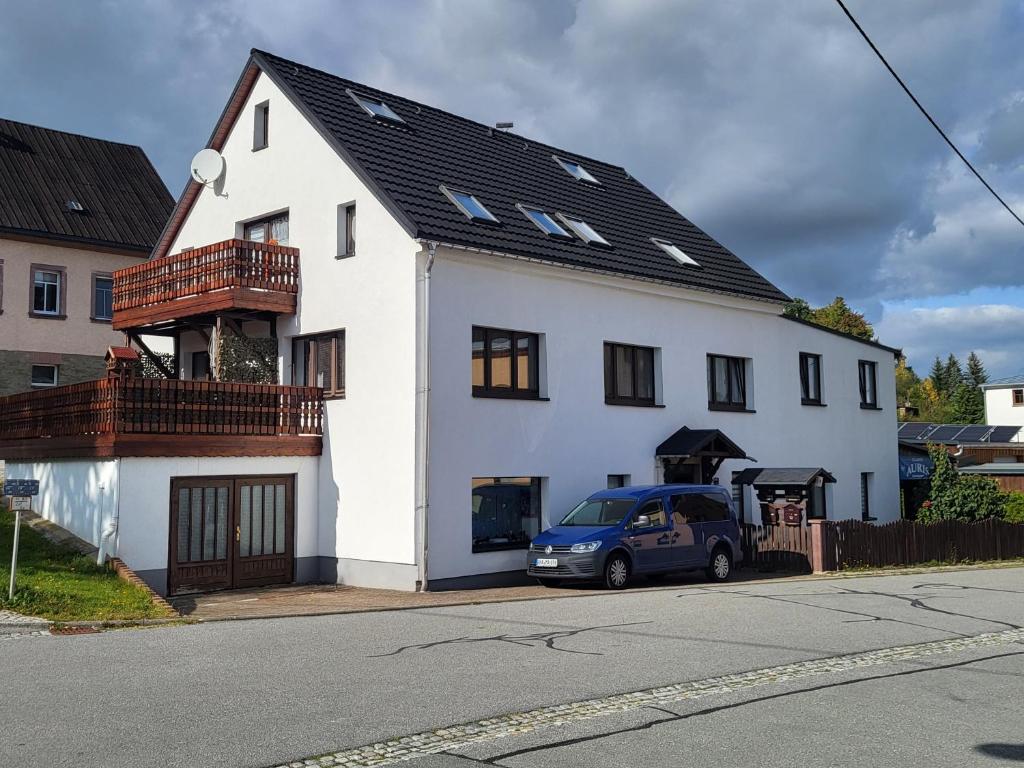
(584, 231)
(376, 108)
(544, 222)
(74, 205)
(261, 126)
(469, 205)
(576, 170)
(674, 251)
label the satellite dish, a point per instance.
(207, 166)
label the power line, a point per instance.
(924, 112)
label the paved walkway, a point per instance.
(322, 599)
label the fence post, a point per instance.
(822, 554)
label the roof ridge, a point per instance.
(570, 154)
(71, 133)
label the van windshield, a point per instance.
(599, 512)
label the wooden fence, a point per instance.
(777, 547)
(228, 264)
(162, 406)
(857, 544)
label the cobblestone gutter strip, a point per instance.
(456, 736)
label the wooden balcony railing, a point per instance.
(233, 274)
(98, 413)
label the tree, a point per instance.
(976, 372)
(959, 497)
(954, 374)
(799, 309)
(838, 316)
(938, 376)
(908, 384)
(967, 405)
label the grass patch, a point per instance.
(59, 584)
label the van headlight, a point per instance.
(587, 546)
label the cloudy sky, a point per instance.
(769, 124)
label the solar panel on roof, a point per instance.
(915, 430)
(974, 433)
(945, 433)
(1003, 434)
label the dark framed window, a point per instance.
(319, 361)
(618, 481)
(866, 479)
(505, 363)
(49, 291)
(868, 376)
(628, 374)
(699, 508)
(727, 383)
(346, 230)
(1, 286)
(261, 126)
(271, 229)
(102, 296)
(810, 378)
(45, 376)
(506, 512)
(1018, 397)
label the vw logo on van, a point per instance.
(547, 550)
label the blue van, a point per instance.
(640, 530)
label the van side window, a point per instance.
(654, 510)
(699, 508)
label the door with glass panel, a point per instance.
(230, 532)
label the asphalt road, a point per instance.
(261, 693)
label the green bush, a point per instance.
(959, 497)
(1013, 511)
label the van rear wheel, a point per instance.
(720, 567)
(616, 572)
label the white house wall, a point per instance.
(999, 407)
(574, 441)
(366, 483)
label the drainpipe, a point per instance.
(423, 408)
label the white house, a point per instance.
(1004, 401)
(499, 329)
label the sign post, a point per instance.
(21, 493)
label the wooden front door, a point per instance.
(231, 532)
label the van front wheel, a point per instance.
(616, 572)
(720, 567)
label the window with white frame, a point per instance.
(47, 291)
(376, 108)
(44, 376)
(544, 222)
(675, 252)
(583, 230)
(102, 297)
(471, 208)
(576, 170)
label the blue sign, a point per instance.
(21, 488)
(916, 468)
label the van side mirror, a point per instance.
(642, 521)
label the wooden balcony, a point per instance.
(231, 276)
(161, 417)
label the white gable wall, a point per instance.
(367, 471)
(575, 440)
(999, 407)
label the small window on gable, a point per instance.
(346, 230)
(261, 126)
(576, 170)
(584, 231)
(44, 375)
(545, 223)
(469, 205)
(1018, 397)
(674, 251)
(376, 108)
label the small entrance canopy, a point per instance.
(694, 455)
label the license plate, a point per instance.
(546, 562)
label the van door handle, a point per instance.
(663, 539)
(675, 535)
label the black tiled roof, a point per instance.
(407, 163)
(125, 203)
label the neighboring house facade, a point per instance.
(73, 210)
(1004, 400)
(484, 329)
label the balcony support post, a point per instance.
(153, 357)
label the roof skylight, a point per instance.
(674, 251)
(584, 231)
(545, 223)
(576, 170)
(376, 108)
(469, 205)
